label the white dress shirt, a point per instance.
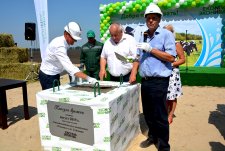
(126, 47)
(57, 60)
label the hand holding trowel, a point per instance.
(124, 60)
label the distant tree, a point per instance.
(182, 36)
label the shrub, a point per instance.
(6, 40)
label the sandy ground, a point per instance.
(199, 124)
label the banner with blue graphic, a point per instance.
(198, 29)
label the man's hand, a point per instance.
(91, 80)
(102, 74)
(145, 46)
(130, 59)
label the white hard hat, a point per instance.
(153, 9)
(74, 30)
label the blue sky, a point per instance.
(15, 13)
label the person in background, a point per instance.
(157, 51)
(124, 45)
(175, 86)
(57, 60)
(90, 55)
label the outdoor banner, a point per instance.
(198, 29)
(41, 9)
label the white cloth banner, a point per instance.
(41, 9)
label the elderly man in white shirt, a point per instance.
(123, 44)
(57, 60)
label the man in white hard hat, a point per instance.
(56, 60)
(157, 51)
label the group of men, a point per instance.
(152, 58)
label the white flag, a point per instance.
(41, 9)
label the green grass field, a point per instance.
(198, 76)
(203, 76)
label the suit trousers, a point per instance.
(47, 80)
(153, 93)
(125, 78)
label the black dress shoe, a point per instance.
(148, 142)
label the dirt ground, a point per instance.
(199, 124)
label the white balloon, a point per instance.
(181, 1)
(101, 8)
(121, 11)
(211, 2)
(105, 35)
(177, 5)
(130, 2)
(102, 39)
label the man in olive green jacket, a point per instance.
(90, 55)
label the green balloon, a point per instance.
(193, 4)
(113, 5)
(184, 5)
(202, 2)
(148, 2)
(117, 8)
(189, 3)
(137, 6)
(106, 8)
(105, 28)
(114, 11)
(133, 4)
(123, 3)
(126, 11)
(140, 9)
(144, 5)
(160, 4)
(134, 10)
(102, 32)
(105, 15)
(110, 9)
(173, 2)
(221, 1)
(107, 18)
(168, 5)
(102, 25)
(130, 7)
(138, 1)
(118, 4)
